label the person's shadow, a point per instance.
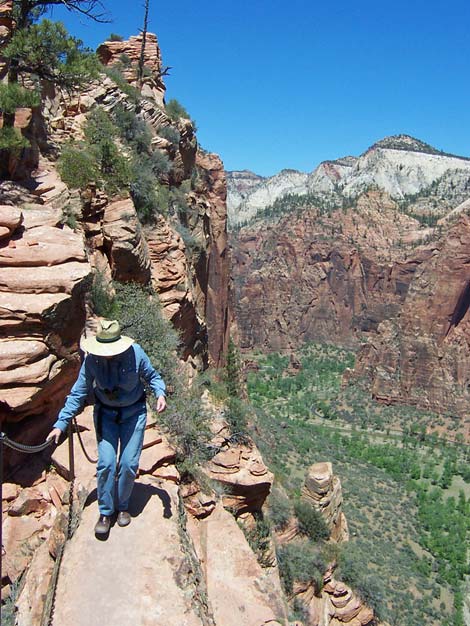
(141, 494)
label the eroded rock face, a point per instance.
(421, 356)
(322, 489)
(239, 590)
(125, 243)
(335, 603)
(6, 8)
(312, 277)
(245, 477)
(127, 55)
(207, 221)
(43, 275)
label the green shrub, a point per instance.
(192, 245)
(259, 539)
(139, 312)
(353, 569)
(160, 163)
(132, 129)
(77, 167)
(99, 127)
(280, 509)
(100, 132)
(13, 96)
(170, 133)
(115, 37)
(125, 60)
(175, 110)
(311, 522)
(299, 611)
(118, 79)
(150, 197)
(301, 562)
(12, 139)
(101, 296)
(236, 415)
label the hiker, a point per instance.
(113, 370)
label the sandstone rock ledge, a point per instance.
(43, 272)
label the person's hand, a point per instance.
(161, 404)
(54, 434)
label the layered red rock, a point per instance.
(207, 220)
(313, 276)
(43, 274)
(125, 243)
(170, 271)
(246, 479)
(322, 490)
(127, 55)
(421, 356)
(6, 24)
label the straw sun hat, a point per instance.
(108, 340)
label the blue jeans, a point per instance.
(125, 427)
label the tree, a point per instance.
(36, 52)
(140, 71)
(233, 370)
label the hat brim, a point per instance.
(101, 348)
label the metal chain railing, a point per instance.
(80, 441)
(48, 613)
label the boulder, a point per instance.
(11, 218)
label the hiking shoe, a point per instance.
(102, 525)
(123, 518)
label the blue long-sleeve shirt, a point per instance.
(115, 381)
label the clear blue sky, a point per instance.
(276, 85)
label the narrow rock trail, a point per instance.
(139, 576)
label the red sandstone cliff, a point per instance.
(421, 355)
(323, 277)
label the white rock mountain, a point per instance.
(411, 171)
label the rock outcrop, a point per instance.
(322, 490)
(421, 356)
(246, 480)
(239, 590)
(126, 54)
(207, 220)
(330, 603)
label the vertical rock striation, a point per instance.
(421, 356)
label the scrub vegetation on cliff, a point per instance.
(406, 499)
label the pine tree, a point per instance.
(41, 51)
(233, 371)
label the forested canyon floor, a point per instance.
(407, 491)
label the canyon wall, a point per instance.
(312, 276)
(421, 355)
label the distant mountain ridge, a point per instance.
(408, 169)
